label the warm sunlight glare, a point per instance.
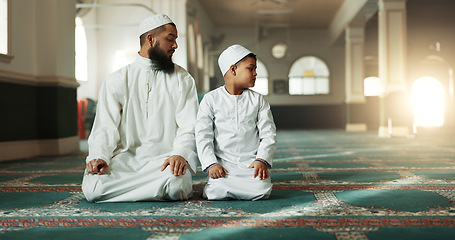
(373, 86)
(428, 102)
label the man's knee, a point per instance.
(91, 189)
(90, 196)
(180, 187)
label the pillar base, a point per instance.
(398, 131)
(32, 148)
(356, 127)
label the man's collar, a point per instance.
(146, 62)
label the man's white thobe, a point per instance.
(143, 117)
(234, 131)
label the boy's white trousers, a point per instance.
(238, 183)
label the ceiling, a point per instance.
(279, 13)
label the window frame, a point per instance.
(314, 78)
(264, 77)
(8, 56)
(81, 58)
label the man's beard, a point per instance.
(160, 59)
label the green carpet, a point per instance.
(327, 185)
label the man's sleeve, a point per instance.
(105, 136)
(184, 142)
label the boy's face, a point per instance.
(246, 73)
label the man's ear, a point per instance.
(151, 39)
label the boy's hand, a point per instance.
(260, 169)
(217, 171)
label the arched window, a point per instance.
(428, 102)
(372, 86)
(262, 79)
(309, 75)
(81, 51)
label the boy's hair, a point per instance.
(251, 55)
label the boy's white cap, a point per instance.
(231, 56)
(153, 22)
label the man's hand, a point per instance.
(177, 163)
(260, 169)
(217, 171)
(97, 166)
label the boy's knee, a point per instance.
(217, 190)
(223, 189)
(263, 195)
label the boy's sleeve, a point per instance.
(204, 133)
(267, 132)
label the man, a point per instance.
(142, 145)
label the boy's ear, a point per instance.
(233, 68)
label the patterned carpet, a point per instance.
(327, 185)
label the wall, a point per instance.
(23, 42)
(37, 88)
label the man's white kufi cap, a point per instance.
(231, 56)
(153, 22)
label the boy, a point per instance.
(235, 132)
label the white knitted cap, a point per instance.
(153, 22)
(231, 56)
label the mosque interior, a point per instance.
(361, 91)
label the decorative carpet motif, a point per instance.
(327, 185)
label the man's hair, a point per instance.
(250, 55)
(154, 32)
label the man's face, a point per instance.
(163, 48)
(167, 40)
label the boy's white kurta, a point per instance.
(233, 131)
(143, 117)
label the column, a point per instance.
(56, 100)
(395, 110)
(355, 99)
